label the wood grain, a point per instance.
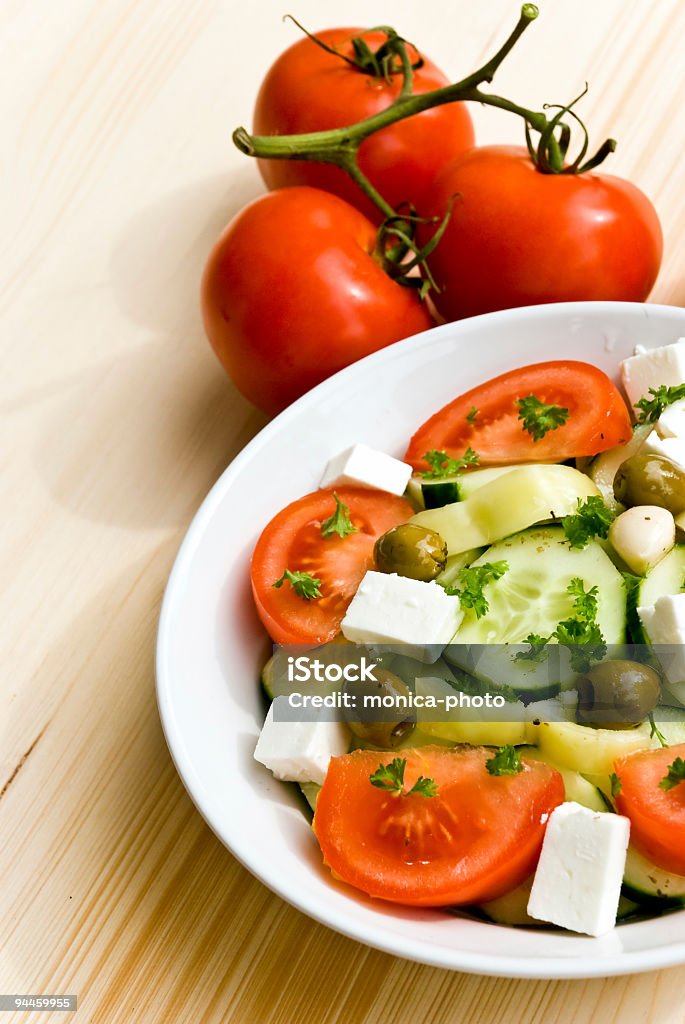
(117, 176)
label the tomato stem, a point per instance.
(340, 146)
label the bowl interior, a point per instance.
(211, 646)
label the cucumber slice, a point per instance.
(310, 791)
(626, 908)
(436, 493)
(562, 708)
(448, 489)
(667, 577)
(577, 788)
(671, 724)
(532, 597)
(267, 679)
(412, 741)
(512, 908)
(645, 882)
(414, 493)
(511, 502)
(585, 749)
(499, 726)
(604, 467)
(475, 479)
(455, 563)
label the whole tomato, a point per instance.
(518, 237)
(292, 293)
(309, 90)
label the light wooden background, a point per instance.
(117, 175)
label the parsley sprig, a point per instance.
(474, 579)
(675, 775)
(616, 784)
(592, 519)
(663, 396)
(443, 465)
(304, 584)
(390, 777)
(538, 418)
(584, 601)
(538, 648)
(471, 414)
(506, 761)
(339, 522)
(580, 633)
(472, 687)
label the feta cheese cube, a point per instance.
(672, 448)
(664, 622)
(650, 369)
(361, 466)
(577, 883)
(671, 423)
(390, 609)
(300, 751)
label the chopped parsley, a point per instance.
(471, 414)
(675, 775)
(339, 522)
(474, 579)
(506, 761)
(616, 784)
(443, 465)
(592, 519)
(538, 419)
(663, 396)
(304, 584)
(390, 777)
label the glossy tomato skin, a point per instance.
(518, 237)
(309, 90)
(657, 816)
(293, 540)
(291, 294)
(477, 839)
(598, 417)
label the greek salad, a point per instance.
(542, 510)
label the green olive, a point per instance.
(617, 694)
(399, 721)
(411, 550)
(650, 480)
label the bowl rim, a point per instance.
(626, 962)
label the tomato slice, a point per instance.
(293, 540)
(598, 417)
(478, 838)
(657, 816)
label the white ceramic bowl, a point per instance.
(211, 646)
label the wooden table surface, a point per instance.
(116, 420)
